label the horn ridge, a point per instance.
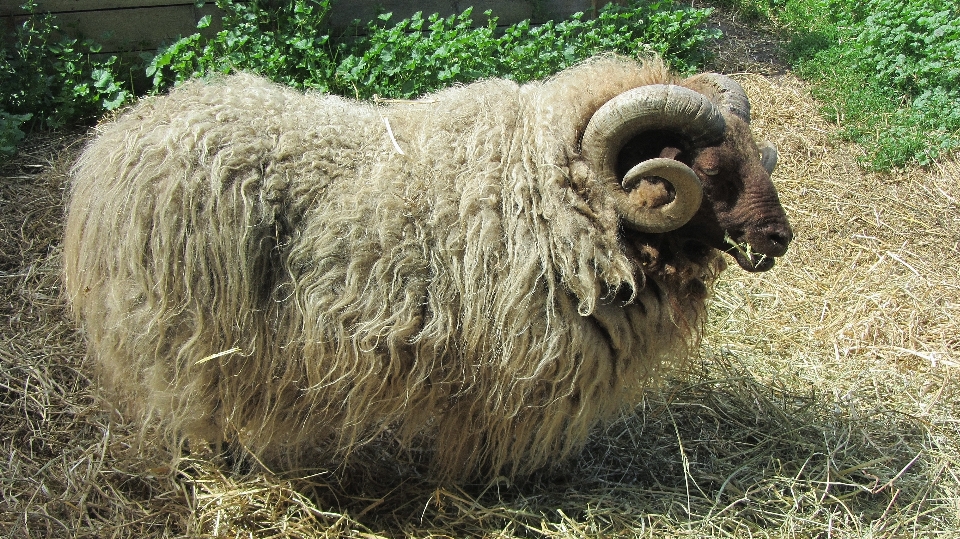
(657, 106)
(725, 91)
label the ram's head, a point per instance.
(682, 159)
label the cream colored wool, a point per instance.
(473, 294)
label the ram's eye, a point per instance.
(711, 171)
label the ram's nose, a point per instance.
(773, 239)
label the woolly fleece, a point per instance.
(474, 295)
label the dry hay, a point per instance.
(825, 403)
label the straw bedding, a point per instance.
(826, 403)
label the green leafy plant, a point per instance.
(752, 10)
(283, 41)
(416, 55)
(889, 69)
(49, 80)
(419, 54)
(916, 45)
(10, 132)
(674, 32)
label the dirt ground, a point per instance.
(825, 402)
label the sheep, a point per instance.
(488, 272)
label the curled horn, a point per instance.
(660, 107)
(725, 92)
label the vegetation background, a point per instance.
(888, 70)
(825, 402)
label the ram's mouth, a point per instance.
(746, 257)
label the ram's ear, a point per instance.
(769, 156)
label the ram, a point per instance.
(486, 272)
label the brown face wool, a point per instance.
(301, 275)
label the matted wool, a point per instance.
(299, 275)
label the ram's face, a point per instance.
(681, 160)
(741, 213)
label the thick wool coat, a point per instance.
(301, 274)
